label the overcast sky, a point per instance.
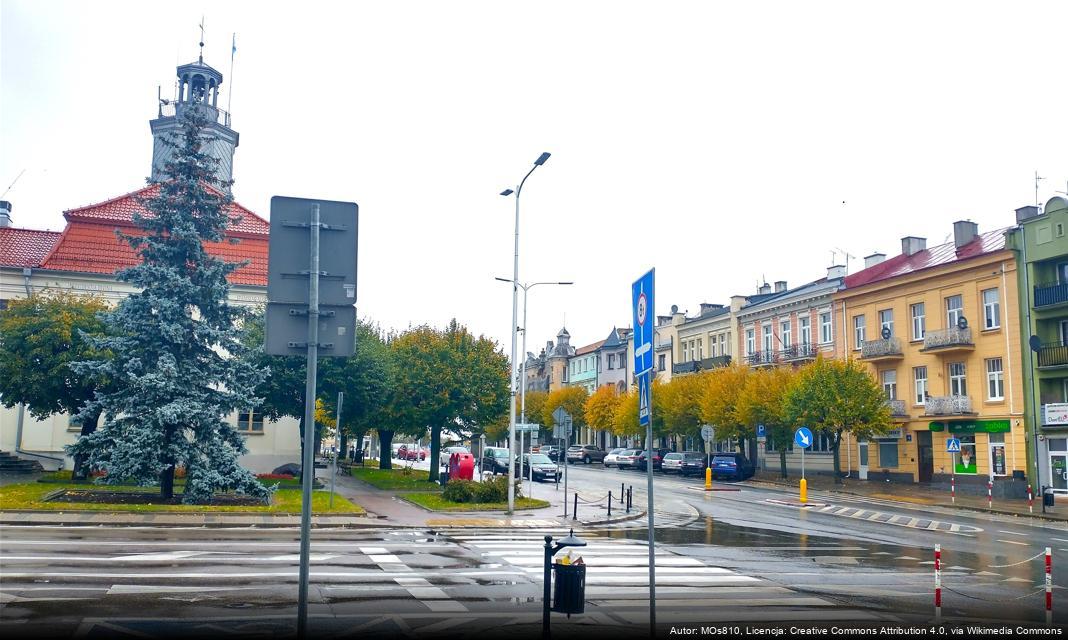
(721, 143)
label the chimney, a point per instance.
(873, 259)
(737, 302)
(780, 286)
(836, 271)
(911, 245)
(964, 231)
(663, 320)
(1026, 213)
(764, 288)
(707, 306)
(5, 213)
(677, 317)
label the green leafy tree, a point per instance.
(178, 366)
(763, 401)
(40, 336)
(832, 396)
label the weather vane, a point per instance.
(202, 39)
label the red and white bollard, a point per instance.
(953, 489)
(1049, 587)
(1030, 500)
(989, 494)
(938, 583)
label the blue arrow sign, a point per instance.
(803, 438)
(953, 445)
(644, 322)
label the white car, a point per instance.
(610, 459)
(672, 463)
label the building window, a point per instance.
(784, 332)
(858, 331)
(767, 338)
(886, 321)
(919, 375)
(700, 349)
(889, 380)
(712, 346)
(750, 342)
(888, 455)
(611, 361)
(966, 459)
(991, 309)
(660, 362)
(919, 321)
(685, 351)
(954, 310)
(995, 380)
(958, 383)
(250, 422)
(805, 330)
(724, 341)
(825, 327)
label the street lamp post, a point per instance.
(515, 312)
(523, 367)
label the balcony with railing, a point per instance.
(761, 359)
(897, 408)
(685, 367)
(1047, 295)
(949, 406)
(949, 340)
(1052, 355)
(881, 349)
(715, 362)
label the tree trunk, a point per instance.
(435, 451)
(166, 482)
(385, 443)
(782, 462)
(837, 458)
(81, 471)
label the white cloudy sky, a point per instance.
(721, 142)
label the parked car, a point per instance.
(495, 460)
(658, 459)
(672, 462)
(448, 451)
(411, 452)
(610, 457)
(585, 453)
(627, 458)
(693, 462)
(543, 467)
(731, 466)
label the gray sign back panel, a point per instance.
(290, 248)
(337, 327)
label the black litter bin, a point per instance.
(444, 476)
(1047, 498)
(569, 588)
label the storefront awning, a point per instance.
(974, 426)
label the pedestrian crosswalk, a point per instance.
(687, 589)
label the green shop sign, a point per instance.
(974, 426)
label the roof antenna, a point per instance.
(1037, 178)
(13, 183)
(848, 257)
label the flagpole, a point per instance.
(230, 93)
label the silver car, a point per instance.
(610, 458)
(628, 458)
(672, 463)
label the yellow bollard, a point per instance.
(708, 479)
(804, 491)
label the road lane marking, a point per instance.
(1014, 533)
(1022, 544)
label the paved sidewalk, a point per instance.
(917, 494)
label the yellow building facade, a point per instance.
(939, 328)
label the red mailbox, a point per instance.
(465, 466)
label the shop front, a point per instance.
(1053, 446)
(990, 450)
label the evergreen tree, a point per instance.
(178, 365)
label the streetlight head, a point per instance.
(503, 279)
(542, 158)
(572, 541)
(565, 283)
(507, 192)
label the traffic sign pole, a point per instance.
(644, 310)
(308, 472)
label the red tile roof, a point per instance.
(943, 254)
(122, 208)
(89, 243)
(25, 247)
(590, 348)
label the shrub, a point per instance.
(461, 491)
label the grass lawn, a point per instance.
(29, 496)
(435, 502)
(64, 477)
(415, 480)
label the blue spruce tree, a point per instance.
(178, 365)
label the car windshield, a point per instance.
(673, 456)
(630, 452)
(723, 460)
(695, 456)
(540, 458)
(576, 447)
(616, 451)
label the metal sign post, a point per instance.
(294, 318)
(644, 312)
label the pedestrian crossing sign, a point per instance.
(953, 445)
(643, 399)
